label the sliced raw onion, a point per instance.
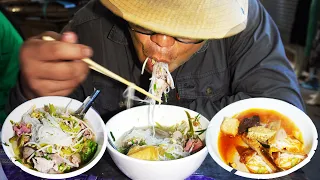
(144, 65)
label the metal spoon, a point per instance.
(87, 103)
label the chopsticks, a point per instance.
(96, 67)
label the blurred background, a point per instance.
(297, 20)
(35, 16)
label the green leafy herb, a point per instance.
(169, 156)
(166, 96)
(52, 110)
(88, 150)
(155, 87)
(142, 142)
(4, 143)
(14, 144)
(49, 149)
(191, 130)
(201, 131)
(19, 160)
(197, 117)
(165, 128)
(61, 167)
(47, 157)
(124, 150)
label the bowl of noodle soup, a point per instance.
(261, 138)
(44, 139)
(156, 154)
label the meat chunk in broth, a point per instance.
(42, 164)
(27, 151)
(247, 123)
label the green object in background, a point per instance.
(314, 18)
(10, 43)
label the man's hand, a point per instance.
(52, 68)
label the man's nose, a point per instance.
(163, 40)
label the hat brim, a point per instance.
(196, 19)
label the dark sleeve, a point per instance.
(258, 65)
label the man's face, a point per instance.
(162, 48)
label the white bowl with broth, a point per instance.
(297, 117)
(166, 115)
(93, 119)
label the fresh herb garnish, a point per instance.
(197, 117)
(201, 131)
(190, 132)
(5, 144)
(166, 96)
(47, 157)
(19, 160)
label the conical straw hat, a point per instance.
(198, 19)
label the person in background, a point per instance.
(218, 52)
(315, 65)
(10, 43)
(312, 82)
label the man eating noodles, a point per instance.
(217, 52)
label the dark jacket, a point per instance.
(250, 64)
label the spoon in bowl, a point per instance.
(87, 103)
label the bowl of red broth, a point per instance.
(261, 138)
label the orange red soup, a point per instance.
(227, 144)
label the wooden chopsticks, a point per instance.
(94, 66)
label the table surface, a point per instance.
(106, 169)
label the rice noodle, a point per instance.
(46, 133)
(161, 82)
(145, 134)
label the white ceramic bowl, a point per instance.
(92, 116)
(301, 120)
(141, 169)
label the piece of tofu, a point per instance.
(260, 133)
(230, 126)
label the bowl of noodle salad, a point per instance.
(157, 141)
(44, 138)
